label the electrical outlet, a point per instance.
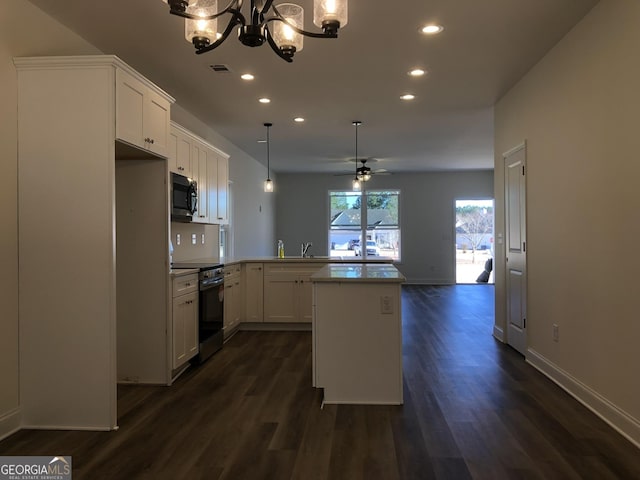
(194, 239)
(177, 239)
(556, 333)
(386, 304)
(202, 239)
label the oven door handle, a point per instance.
(212, 284)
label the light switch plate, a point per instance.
(386, 304)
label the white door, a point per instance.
(516, 257)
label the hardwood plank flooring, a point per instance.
(473, 410)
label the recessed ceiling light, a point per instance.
(247, 76)
(431, 29)
(407, 96)
(298, 119)
(264, 100)
(417, 72)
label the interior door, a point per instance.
(516, 256)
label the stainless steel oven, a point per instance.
(211, 311)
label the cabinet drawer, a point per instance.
(297, 268)
(232, 270)
(185, 284)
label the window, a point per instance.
(369, 232)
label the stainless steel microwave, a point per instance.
(184, 198)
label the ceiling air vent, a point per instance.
(219, 68)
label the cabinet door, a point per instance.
(199, 174)
(185, 310)
(183, 157)
(212, 180)
(253, 292)
(155, 123)
(223, 190)
(238, 298)
(305, 298)
(172, 154)
(280, 297)
(229, 305)
(191, 337)
(142, 115)
(130, 97)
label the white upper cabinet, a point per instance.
(142, 114)
(179, 150)
(191, 156)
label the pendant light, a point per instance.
(268, 184)
(356, 181)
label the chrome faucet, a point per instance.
(305, 249)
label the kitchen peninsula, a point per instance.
(357, 333)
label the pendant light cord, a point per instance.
(268, 125)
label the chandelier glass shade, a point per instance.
(281, 26)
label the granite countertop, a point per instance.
(178, 272)
(315, 259)
(358, 272)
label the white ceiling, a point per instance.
(485, 48)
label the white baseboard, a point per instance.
(275, 327)
(625, 424)
(83, 428)
(498, 333)
(428, 281)
(10, 422)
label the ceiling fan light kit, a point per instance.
(281, 26)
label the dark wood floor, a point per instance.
(473, 409)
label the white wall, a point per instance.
(427, 212)
(252, 210)
(24, 31)
(578, 111)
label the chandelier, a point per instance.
(281, 26)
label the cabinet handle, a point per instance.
(151, 141)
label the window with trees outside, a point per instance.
(364, 232)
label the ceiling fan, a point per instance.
(364, 170)
(363, 173)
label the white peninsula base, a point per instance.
(357, 334)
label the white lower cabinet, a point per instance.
(253, 292)
(288, 292)
(233, 298)
(184, 319)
